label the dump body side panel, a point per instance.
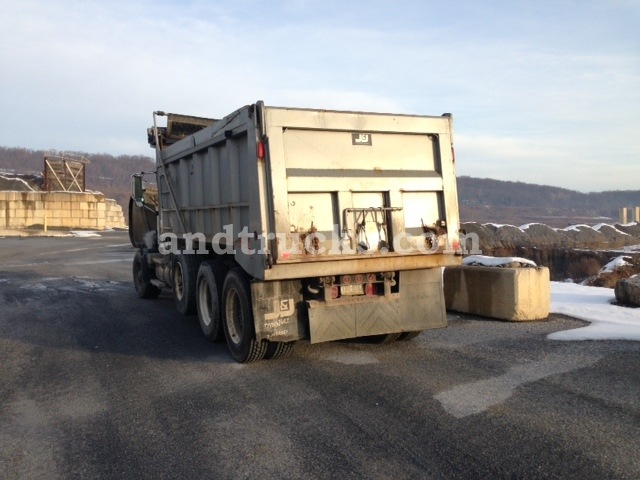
(218, 188)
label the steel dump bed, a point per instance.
(300, 192)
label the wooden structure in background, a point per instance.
(64, 172)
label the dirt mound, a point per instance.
(493, 236)
(578, 252)
(18, 182)
(616, 237)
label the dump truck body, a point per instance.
(339, 220)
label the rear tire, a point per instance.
(185, 272)
(238, 319)
(141, 280)
(278, 350)
(209, 299)
(406, 336)
(384, 338)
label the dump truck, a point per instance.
(276, 224)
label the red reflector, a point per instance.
(335, 292)
(359, 279)
(371, 277)
(346, 279)
(370, 289)
(261, 150)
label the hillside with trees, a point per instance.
(482, 200)
(486, 200)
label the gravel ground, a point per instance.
(96, 383)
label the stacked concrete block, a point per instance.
(59, 210)
(113, 215)
(514, 294)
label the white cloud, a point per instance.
(529, 98)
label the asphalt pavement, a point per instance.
(97, 383)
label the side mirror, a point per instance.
(137, 189)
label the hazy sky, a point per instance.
(541, 92)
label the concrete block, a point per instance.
(515, 294)
(76, 214)
(67, 222)
(627, 291)
(59, 197)
(87, 223)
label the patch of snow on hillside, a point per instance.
(16, 179)
(500, 225)
(600, 225)
(617, 262)
(527, 225)
(575, 228)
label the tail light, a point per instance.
(370, 289)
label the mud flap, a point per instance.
(357, 317)
(279, 312)
(422, 300)
(419, 305)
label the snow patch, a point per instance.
(38, 286)
(84, 282)
(526, 226)
(84, 233)
(17, 179)
(486, 261)
(617, 262)
(500, 225)
(576, 228)
(595, 305)
(601, 225)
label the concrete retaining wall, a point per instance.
(516, 294)
(59, 210)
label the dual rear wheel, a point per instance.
(224, 311)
